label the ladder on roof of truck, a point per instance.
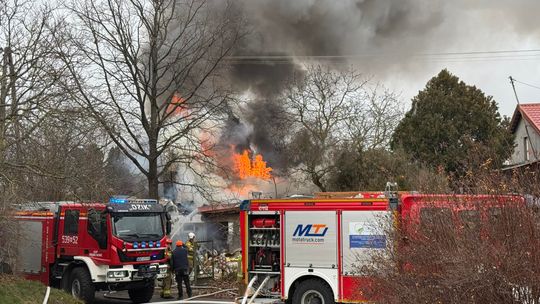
(41, 206)
(390, 191)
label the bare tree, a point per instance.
(481, 251)
(30, 88)
(148, 72)
(378, 114)
(73, 152)
(330, 108)
(30, 93)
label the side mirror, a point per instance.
(169, 224)
(169, 227)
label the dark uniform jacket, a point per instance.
(180, 259)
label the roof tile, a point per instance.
(531, 111)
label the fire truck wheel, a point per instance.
(142, 295)
(80, 285)
(313, 291)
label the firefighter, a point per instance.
(167, 281)
(192, 247)
(181, 269)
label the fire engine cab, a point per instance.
(85, 247)
(312, 250)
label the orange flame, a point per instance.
(177, 106)
(207, 144)
(245, 167)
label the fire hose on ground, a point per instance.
(247, 289)
(258, 290)
(194, 302)
(47, 293)
(188, 300)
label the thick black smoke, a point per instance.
(237, 136)
(281, 33)
(363, 30)
(334, 28)
(376, 36)
(271, 130)
(263, 130)
(264, 78)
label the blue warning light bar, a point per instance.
(118, 200)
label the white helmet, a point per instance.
(191, 235)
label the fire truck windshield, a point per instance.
(138, 226)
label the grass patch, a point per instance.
(15, 290)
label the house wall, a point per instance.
(226, 229)
(518, 157)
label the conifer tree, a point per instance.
(454, 126)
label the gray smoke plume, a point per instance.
(283, 31)
(378, 37)
(262, 129)
(375, 35)
(318, 27)
(263, 77)
(238, 135)
(270, 131)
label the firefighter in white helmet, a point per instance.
(192, 247)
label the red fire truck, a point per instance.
(310, 250)
(86, 247)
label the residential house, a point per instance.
(525, 125)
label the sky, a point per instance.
(490, 75)
(403, 43)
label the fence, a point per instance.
(204, 262)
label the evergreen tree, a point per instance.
(454, 126)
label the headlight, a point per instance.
(117, 274)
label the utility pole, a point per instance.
(14, 103)
(3, 96)
(9, 106)
(8, 72)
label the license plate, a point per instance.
(145, 258)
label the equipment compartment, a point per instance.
(264, 251)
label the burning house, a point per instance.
(217, 224)
(222, 225)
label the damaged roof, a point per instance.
(213, 209)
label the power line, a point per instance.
(351, 56)
(343, 61)
(527, 84)
(446, 57)
(486, 52)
